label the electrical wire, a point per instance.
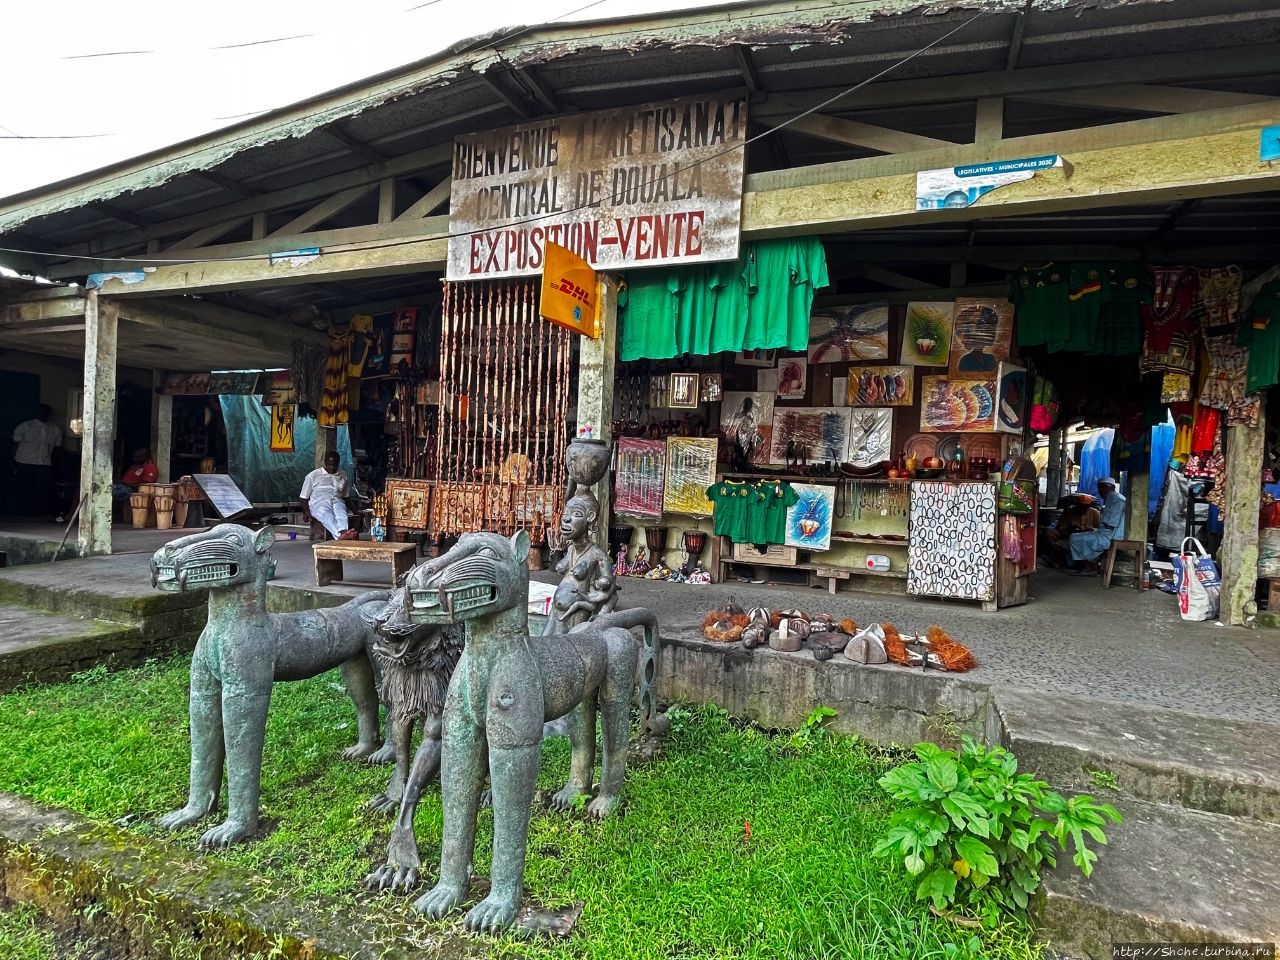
(407, 241)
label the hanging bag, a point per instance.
(1199, 584)
(1044, 406)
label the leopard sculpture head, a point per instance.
(228, 555)
(482, 575)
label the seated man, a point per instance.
(322, 493)
(142, 470)
(1088, 546)
(1078, 515)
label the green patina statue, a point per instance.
(241, 652)
(505, 687)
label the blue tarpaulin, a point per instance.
(267, 477)
(1095, 461)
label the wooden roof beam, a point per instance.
(747, 66)
(322, 211)
(857, 134)
(1147, 98)
(231, 186)
(518, 104)
(430, 201)
(115, 213)
(543, 93)
(358, 147)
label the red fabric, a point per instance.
(1205, 430)
(140, 473)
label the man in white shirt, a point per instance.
(34, 441)
(322, 493)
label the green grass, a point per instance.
(677, 876)
(24, 935)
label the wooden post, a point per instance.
(161, 426)
(326, 441)
(1055, 482)
(1135, 527)
(1243, 500)
(597, 368)
(101, 319)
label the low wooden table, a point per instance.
(329, 557)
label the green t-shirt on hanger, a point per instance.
(649, 306)
(1088, 288)
(1260, 332)
(767, 522)
(732, 500)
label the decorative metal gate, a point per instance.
(504, 407)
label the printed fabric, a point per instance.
(1227, 363)
(333, 402)
(1167, 324)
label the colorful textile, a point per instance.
(333, 402)
(1167, 323)
(1260, 333)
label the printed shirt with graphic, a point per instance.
(768, 518)
(1120, 323)
(140, 473)
(1040, 294)
(732, 500)
(1261, 334)
(320, 484)
(1088, 288)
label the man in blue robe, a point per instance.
(1089, 545)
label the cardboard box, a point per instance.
(775, 554)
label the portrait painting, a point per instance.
(981, 337)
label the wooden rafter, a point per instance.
(323, 210)
(1148, 98)
(858, 134)
(429, 202)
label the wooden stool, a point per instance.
(1136, 547)
(329, 557)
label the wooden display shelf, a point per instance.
(855, 538)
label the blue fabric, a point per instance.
(1162, 435)
(1095, 461)
(267, 477)
(1091, 544)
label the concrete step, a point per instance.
(38, 646)
(1214, 764)
(1168, 874)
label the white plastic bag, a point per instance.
(1199, 584)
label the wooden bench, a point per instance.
(1136, 547)
(329, 557)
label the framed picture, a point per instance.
(710, 387)
(757, 358)
(691, 468)
(683, 391)
(639, 480)
(926, 337)
(870, 436)
(233, 382)
(408, 503)
(1012, 394)
(277, 388)
(187, 384)
(881, 386)
(793, 378)
(957, 406)
(746, 420)
(809, 518)
(282, 419)
(980, 338)
(810, 433)
(849, 333)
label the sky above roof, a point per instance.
(87, 84)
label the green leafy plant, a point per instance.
(813, 730)
(976, 832)
(1104, 779)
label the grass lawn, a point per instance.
(733, 843)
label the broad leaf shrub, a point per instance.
(976, 832)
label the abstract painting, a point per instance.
(813, 434)
(926, 338)
(951, 545)
(980, 338)
(186, 384)
(747, 419)
(957, 406)
(640, 477)
(793, 378)
(881, 386)
(691, 468)
(682, 391)
(849, 333)
(870, 436)
(1011, 399)
(809, 518)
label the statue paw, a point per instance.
(442, 898)
(603, 806)
(181, 818)
(383, 755)
(567, 799)
(493, 914)
(389, 876)
(382, 804)
(361, 750)
(225, 834)
(486, 799)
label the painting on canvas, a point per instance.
(858, 332)
(809, 518)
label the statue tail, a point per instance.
(650, 652)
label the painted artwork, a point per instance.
(746, 419)
(757, 358)
(870, 436)
(277, 388)
(951, 543)
(810, 434)
(408, 503)
(185, 384)
(404, 332)
(849, 333)
(809, 518)
(1012, 394)
(793, 378)
(981, 336)
(767, 381)
(640, 477)
(926, 337)
(957, 406)
(537, 504)
(457, 507)
(377, 361)
(282, 420)
(691, 468)
(234, 382)
(881, 386)
(710, 387)
(683, 391)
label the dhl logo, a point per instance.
(568, 287)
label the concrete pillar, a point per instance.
(1054, 480)
(597, 370)
(1135, 526)
(97, 442)
(161, 426)
(1243, 499)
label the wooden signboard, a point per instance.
(227, 500)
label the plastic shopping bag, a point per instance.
(1199, 584)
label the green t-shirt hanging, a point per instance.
(729, 320)
(1119, 330)
(649, 305)
(767, 522)
(781, 278)
(1260, 332)
(732, 501)
(1088, 288)
(1040, 295)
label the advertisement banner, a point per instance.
(963, 186)
(569, 292)
(633, 186)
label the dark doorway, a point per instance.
(19, 396)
